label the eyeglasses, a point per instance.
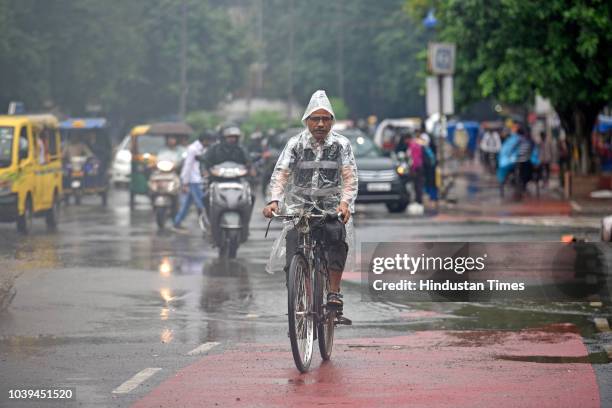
(317, 119)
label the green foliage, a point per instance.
(511, 49)
(203, 120)
(125, 55)
(122, 55)
(379, 54)
(340, 108)
(263, 120)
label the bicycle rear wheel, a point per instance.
(325, 325)
(300, 311)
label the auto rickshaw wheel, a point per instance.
(77, 199)
(132, 200)
(24, 222)
(104, 196)
(52, 215)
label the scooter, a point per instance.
(229, 208)
(164, 186)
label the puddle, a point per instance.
(515, 316)
(592, 358)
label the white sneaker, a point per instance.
(180, 229)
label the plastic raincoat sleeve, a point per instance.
(349, 177)
(281, 173)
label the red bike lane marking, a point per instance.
(423, 369)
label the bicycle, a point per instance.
(307, 288)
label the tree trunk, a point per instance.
(578, 121)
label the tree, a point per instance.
(512, 49)
(120, 55)
(378, 61)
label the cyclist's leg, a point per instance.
(336, 253)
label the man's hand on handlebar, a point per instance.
(343, 209)
(270, 209)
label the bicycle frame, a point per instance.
(321, 321)
(311, 251)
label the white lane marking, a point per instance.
(203, 348)
(136, 380)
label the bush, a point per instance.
(340, 108)
(202, 120)
(263, 120)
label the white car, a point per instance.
(122, 163)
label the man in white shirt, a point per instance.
(191, 180)
(490, 145)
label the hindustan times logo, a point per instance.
(414, 264)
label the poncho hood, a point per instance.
(318, 100)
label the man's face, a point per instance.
(319, 124)
(171, 141)
(232, 139)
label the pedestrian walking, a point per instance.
(490, 145)
(192, 183)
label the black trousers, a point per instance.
(333, 234)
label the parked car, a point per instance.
(122, 163)
(380, 178)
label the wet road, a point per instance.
(128, 315)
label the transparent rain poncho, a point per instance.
(312, 175)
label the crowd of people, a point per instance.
(518, 155)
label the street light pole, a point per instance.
(182, 108)
(442, 136)
(290, 85)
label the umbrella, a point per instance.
(170, 128)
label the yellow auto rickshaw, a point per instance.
(147, 141)
(30, 170)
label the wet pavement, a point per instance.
(128, 315)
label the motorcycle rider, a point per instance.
(317, 169)
(192, 183)
(228, 149)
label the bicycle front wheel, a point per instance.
(300, 311)
(325, 325)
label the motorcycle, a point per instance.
(164, 186)
(229, 208)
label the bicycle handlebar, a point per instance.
(275, 215)
(308, 215)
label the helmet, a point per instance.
(231, 130)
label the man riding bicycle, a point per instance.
(316, 171)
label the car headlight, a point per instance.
(229, 172)
(165, 165)
(401, 170)
(124, 156)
